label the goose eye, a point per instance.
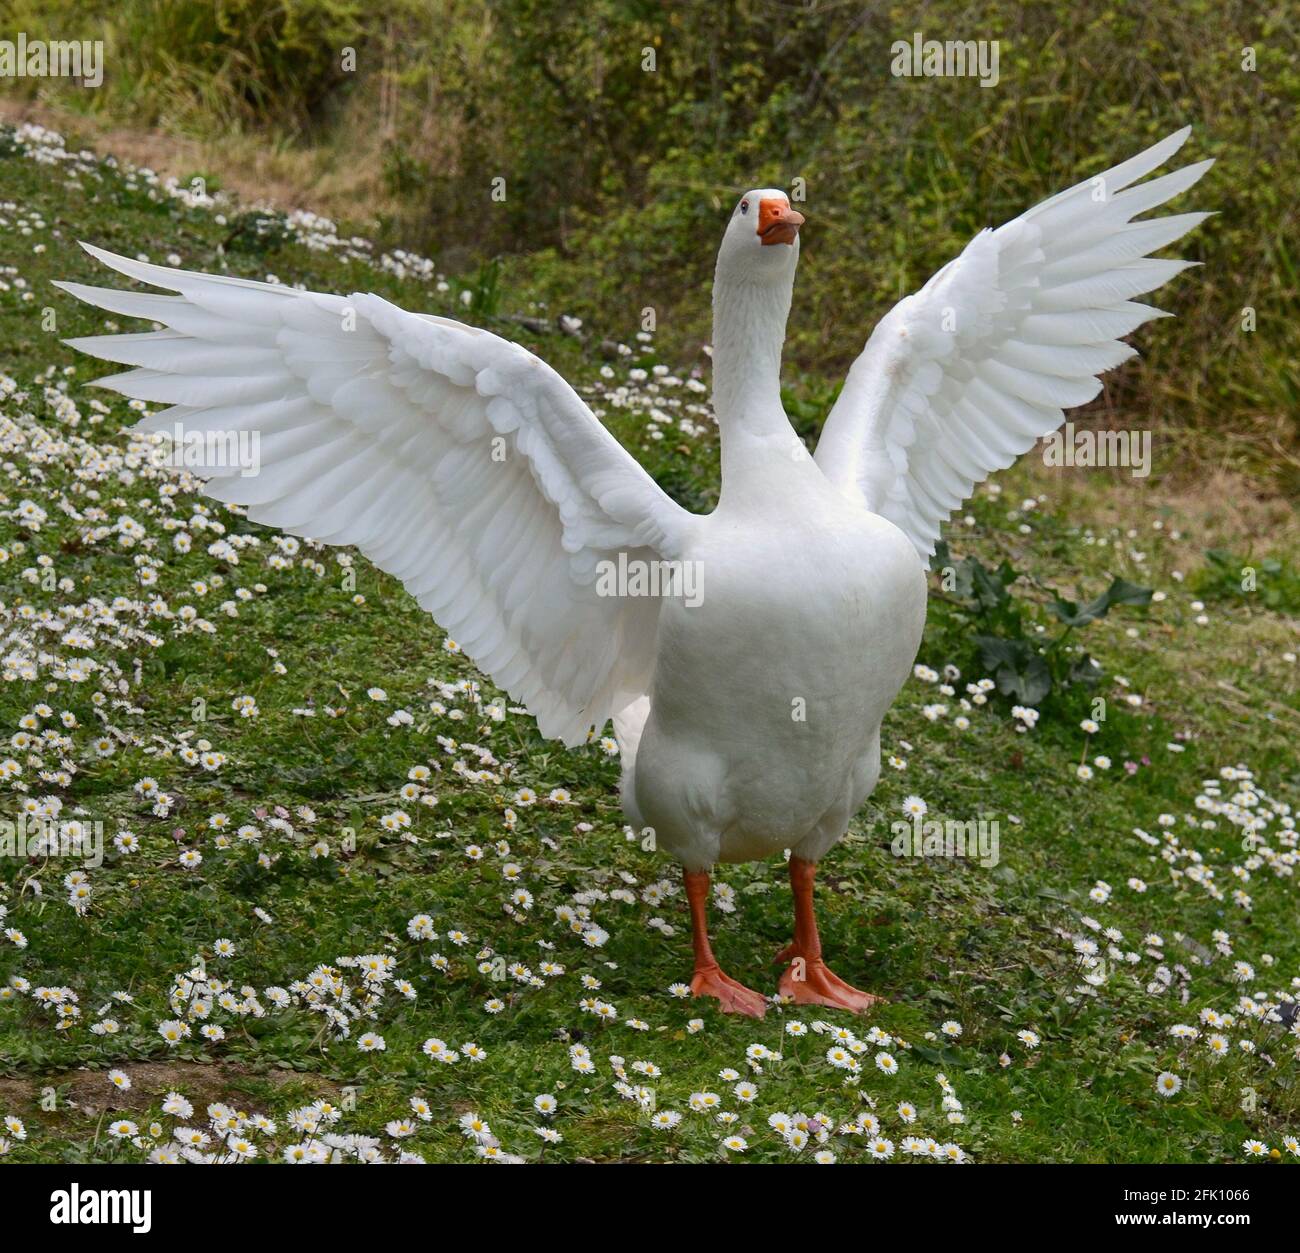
(744, 206)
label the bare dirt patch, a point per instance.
(90, 1091)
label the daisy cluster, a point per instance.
(974, 696)
(728, 1123)
(664, 405)
(1222, 1019)
(225, 1135)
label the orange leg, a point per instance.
(708, 980)
(808, 981)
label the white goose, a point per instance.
(750, 721)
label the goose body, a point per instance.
(749, 715)
(763, 723)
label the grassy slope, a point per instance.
(943, 940)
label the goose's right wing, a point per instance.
(455, 460)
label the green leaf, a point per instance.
(1017, 666)
(1120, 592)
(1028, 686)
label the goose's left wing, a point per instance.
(962, 377)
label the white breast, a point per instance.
(768, 696)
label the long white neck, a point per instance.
(748, 333)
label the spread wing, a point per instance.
(962, 377)
(455, 460)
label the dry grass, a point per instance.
(1210, 506)
(343, 184)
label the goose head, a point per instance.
(761, 242)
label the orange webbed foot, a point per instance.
(732, 997)
(814, 983)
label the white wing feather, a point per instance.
(962, 377)
(455, 460)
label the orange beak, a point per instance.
(777, 222)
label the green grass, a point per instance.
(944, 939)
